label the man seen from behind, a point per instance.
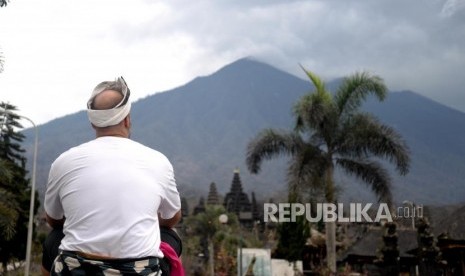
(110, 195)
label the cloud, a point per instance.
(62, 51)
(407, 42)
(451, 7)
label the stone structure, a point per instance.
(213, 198)
(236, 201)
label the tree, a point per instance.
(15, 189)
(292, 238)
(8, 212)
(207, 238)
(331, 132)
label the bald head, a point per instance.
(107, 99)
(109, 107)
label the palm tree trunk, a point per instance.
(331, 245)
(330, 226)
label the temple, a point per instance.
(236, 201)
(213, 198)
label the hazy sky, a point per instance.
(56, 51)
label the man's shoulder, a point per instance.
(148, 150)
(73, 151)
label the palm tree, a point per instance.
(332, 132)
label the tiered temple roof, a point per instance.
(213, 198)
(236, 201)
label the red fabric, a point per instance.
(175, 262)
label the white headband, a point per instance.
(109, 117)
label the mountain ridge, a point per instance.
(204, 126)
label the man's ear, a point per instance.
(127, 121)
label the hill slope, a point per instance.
(205, 125)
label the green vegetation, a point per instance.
(208, 241)
(14, 189)
(331, 132)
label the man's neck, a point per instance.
(111, 135)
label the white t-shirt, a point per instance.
(110, 190)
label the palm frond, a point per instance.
(354, 90)
(363, 136)
(372, 173)
(270, 143)
(316, 111)
(310, 161)
(310, 112)
(318, 116)
(316, 80)
(306, 169)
